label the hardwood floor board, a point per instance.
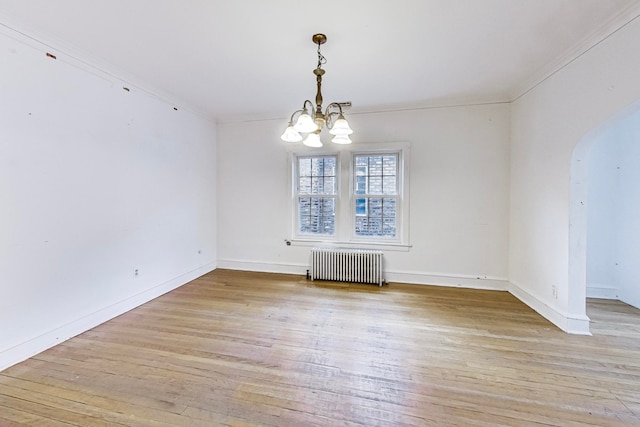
(234, 408)
(367, 415)
(206, 368)
(203, 346)
(341, 402)
(54, 400)
(214, 368)
(56, 414)
(522, 410)
(105, 387)
(185, 379)
(378, 394)
(11, 417)
(215, 418)
(115, 409)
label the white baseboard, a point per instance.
(53, 337)
(263, 267)
(436, 279)
(597, 290)
(573, 324)
(492, 283)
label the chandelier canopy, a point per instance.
(311, 121)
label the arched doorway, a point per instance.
(615, 134)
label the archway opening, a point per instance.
(604, 232)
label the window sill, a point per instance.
(398, 247)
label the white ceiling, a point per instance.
(254, 58)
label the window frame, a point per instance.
(353, 197)
(298, 195)
(344, 200)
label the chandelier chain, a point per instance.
(321, 59)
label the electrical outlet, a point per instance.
(136, 272)
(554, 291)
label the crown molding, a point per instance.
(431, 104)
(603, 32)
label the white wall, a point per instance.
(613, 223)
(547, 124)
(459, 186)
(95, 182)
(628, 248)
(603, 193)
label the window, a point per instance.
(376, 195)
(357, 198)
(316, 195)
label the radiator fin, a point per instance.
(347, 265)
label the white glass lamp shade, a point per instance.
(305, 123)
(341, 127)
(341, 139)
(313, 140)
(291, 135)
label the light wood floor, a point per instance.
(245, 349)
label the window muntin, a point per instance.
(376, 195)
(316, 189)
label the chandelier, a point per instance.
(311, 121)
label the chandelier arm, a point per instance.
(304, 105)
(293, 115)
(300, 111)
(334, 105)
(329, 116)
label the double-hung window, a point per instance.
(316, 191)
(376, 195)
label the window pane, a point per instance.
(316, 215)
(305, 224)
(375, 165)
(361, 185)
(305, 185)
(304, 206)
(328, 207)
(389, 208)
(317, 175)
(304, 168)
(317, 166)
(315, 206)
(389, 185)
(329, 185)
(375, 185)
(389, 227)
(376, 216)
(361, 207)
(390, 165)
(317, 185)
(375, 227)
(362, 165)
(376, 174)
(329, 166)
(328, 218)
(375, 208)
